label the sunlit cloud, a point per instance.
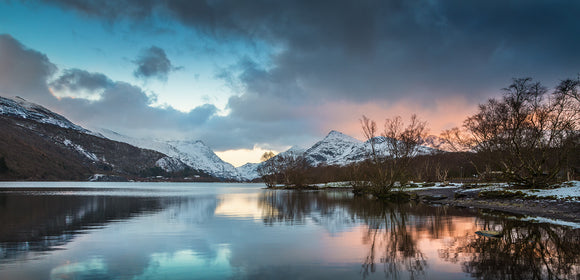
(280, 73)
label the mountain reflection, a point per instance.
(526, 251)
(223, 231)
(36, 223)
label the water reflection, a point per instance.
(33, 223)
(265, 234)
(526, 251)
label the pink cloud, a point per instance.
(443, 113)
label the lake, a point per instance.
(71, 230)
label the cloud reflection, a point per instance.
(229, 231)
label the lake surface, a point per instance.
(242, 231)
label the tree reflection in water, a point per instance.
(392, 233)
(526, 251)
(393, 242)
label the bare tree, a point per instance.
(527, 134)
(402, 143)
(289, 169)
(293, 169)
(391, 153)
(268, 170)
(267, 155)
(370, 132)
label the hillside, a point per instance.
(194, 154)
(38, 144)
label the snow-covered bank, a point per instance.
(559, 205)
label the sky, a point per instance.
(256, 75)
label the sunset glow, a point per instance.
(244, 82)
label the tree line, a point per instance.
(528, 137)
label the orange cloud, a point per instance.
(440, 114)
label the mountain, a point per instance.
(340, 149)
(337, 149)
(20, 108)
(194, 154)
(38, 144)
(249, 171)
(199, 156)
(435, 142)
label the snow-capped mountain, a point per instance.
(99, 152)
(38, 144)
(435, 142)
(336, 149)
(199, 156)
(20, 108)
(249, 171)
(194, 154)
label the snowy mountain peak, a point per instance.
(296, 150)
(20, 108)
(194, 153)
(335, 149)
(339, 136)
(436, 142)
(249, 171)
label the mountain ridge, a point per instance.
(38, 144)
(193, 153)
(336, 148)
(339, 149)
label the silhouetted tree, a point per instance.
(269, 170)
(267, 155)
(527, 135)
(391, 154)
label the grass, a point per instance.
(503, 194)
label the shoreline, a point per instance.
(540, 205)
(557, 210)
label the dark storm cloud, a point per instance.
(77, 79)
(124, 107)
(23, 72)
(153, 63)
(366, 51)
(112, 10)
(127, 108)
(121, 106)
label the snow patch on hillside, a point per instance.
(249, 171)
(81, 150)
(20, 108)
(169, 164)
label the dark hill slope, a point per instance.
(30, 150)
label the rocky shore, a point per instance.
(558, 205)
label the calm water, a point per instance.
(241, 231)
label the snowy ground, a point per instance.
(569, 190)
(554, 206)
